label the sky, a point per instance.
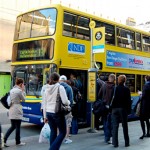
(119, 10)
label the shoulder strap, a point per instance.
(104, 91)
(113, 96)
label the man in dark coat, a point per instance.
(121, 107)
(145, 108)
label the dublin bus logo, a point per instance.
(98, 35)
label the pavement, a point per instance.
(82, 141)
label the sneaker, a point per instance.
(21, 144)
(5, 145)
(67, 141)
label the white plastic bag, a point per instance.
(45, 134)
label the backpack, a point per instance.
(99, 108)
(4, 100)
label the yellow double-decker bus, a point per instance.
(57, 39)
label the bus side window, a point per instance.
(109, 32)
(130, 81)
(125, 38)
(76, 26)
(138, 83)
(138, 41)
(146, 43)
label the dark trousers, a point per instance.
(143, 121)
(15, 124)
(119, 114)
(56, 121)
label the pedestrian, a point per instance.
(44, 87)
(15, 111)
(77, 81)
(145, 108)
(106, 94)
(55, 120)
(99, 84)
(75, 111)
(68, 117)
(121, 107)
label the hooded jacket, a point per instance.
(50, 96)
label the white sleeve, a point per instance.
(44, 103)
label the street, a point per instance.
(82, 141)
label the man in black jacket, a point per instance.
(121, 107)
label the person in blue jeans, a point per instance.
(106, 93)
(55, 121)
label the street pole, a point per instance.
(92, 74)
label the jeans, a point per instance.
(107, 127)
(15, 124)
(56, 121)
(119, 114)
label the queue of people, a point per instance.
(117, 99)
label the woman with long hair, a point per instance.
(55, 121)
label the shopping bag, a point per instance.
(44, 134)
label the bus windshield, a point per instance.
(36, 23)
(32, 75)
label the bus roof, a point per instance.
(91, 16)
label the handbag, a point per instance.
(98, 108)
(138, 109)
(61, 108)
